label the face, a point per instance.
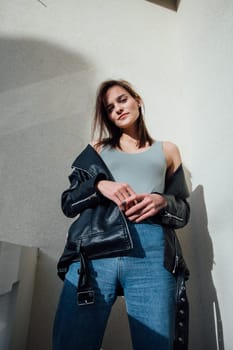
(122, 108)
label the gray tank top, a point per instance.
(143, 171)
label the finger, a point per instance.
(133, 218)
(123, 196)
(125, 200)
(126, 205)
(145, 216)
(130, 191)
(136, 215)
(121, 201)
(144, 206)
(123, 205)
(128, 202)
(119, 196)
(135, 209)
(141, 217)
(128, 196)
(124, 192)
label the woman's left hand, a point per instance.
(148, 204)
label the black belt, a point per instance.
(85, 292)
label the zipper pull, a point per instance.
(176, 263)
(169, 215)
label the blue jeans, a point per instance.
(149, 291)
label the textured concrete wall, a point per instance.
(53, 55)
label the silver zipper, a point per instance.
(173, 216)
(176, 256)
(175, 264)
(85, 199)
(84, 170)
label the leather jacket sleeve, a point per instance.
(81, 194)
(177, 212)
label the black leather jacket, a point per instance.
(99, 215)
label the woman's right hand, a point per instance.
(117, 192)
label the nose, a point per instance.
(119, 109)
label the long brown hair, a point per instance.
(108, 132)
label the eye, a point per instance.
(109, 109)
(124, 99)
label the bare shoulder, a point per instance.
(95, 144)
(170, 148)
(172, 155)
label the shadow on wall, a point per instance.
(26, 61)
(44, 93)
(169, 4)
(206, 330)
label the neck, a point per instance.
(129, 142)
(130, 134)
(131, 137)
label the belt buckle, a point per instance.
(86, 297)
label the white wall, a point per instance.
(205, 42)
(52, 59)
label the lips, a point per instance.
(122, 116)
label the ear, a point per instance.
(139, 101)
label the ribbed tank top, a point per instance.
(143, 171)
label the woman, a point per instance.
(131, 194)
